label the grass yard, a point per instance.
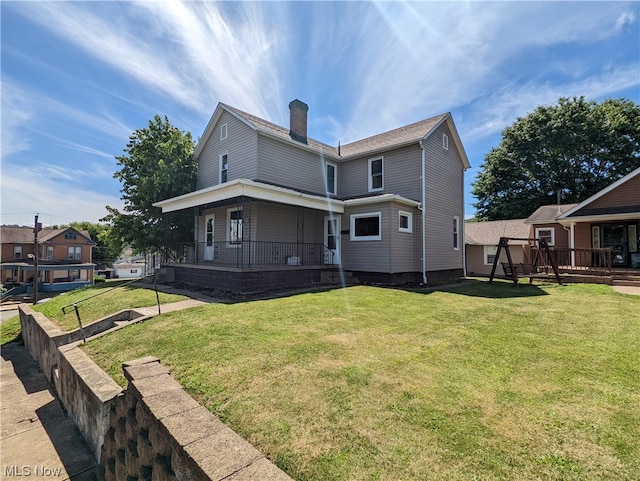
(481, 381)
(110, 298)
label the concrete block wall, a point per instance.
(158, 432)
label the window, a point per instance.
(546, 233)
(366, 226)
(74, 275)
(133, 271)
(70, 235)
(223, 131)
(406, 222)
(49, 252)
(456, 233)
(445, 141)
(490, 255)
(224, 168)
(331, 178)
(17, 252)
(75, 253)
(234, 222)
(376, 174)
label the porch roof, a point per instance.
(253, 189)
(46, 267)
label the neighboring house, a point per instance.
(481, 244)
(64, 257)
(130, 270)
(275, 208)
(544, 225)
(608, 219)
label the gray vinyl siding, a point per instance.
(241, 147)
(444, 201)
(372, 255)
(279, 223)
(406, 248)
(220, 223)
(284, 164)
(401, 170)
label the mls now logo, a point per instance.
(42, 471)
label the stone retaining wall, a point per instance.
(152, 431)
(157, 431)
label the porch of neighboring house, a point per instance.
(52, 277)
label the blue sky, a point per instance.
(79, 77)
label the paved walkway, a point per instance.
(38, 440)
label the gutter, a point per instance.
(421, 207)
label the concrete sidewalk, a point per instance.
(38, 440)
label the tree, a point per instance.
(575, 148)
(158, 164)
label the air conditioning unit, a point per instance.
(293, 261)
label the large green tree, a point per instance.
(157, 164)
(108, 248)
(576, 148)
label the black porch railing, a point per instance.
(253, 254)
(576, 261)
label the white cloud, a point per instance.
(16, 113)
(27, 191)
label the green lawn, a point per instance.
(481, 381)
(94, 302)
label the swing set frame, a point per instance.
(516, 271)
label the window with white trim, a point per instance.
(224, 167)
(75, 253)
(365, 227)
(331, 170)
(490, 255)
(223, 131)
(456, 233)
(234, 225)
(376, 174)
(445, 141)
(546, 233)
(405, 221)
(17, 252)
(133, 271)
(49, 252)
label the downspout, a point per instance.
(423, 202)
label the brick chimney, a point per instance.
(298, 120)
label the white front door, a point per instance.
(209, 222)
(332, 239)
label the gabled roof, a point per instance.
(24, 235)
(405, 135)
(604, 191)
(548, 214)
(489, 233)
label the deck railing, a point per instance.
(253, 254)
(576, 261)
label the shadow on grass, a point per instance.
(498, 289)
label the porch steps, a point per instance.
(625, 280)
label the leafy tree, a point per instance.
(576, 147)
(157, 164)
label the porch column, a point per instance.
(572, 243)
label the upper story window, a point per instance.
(49, 252)
(456, 233)
(223, 131)
(445, 141)
(405, 221)
(376, 174)
(70, 235)
(224, 168)
(366, 227)
(331, 178)
(546, 233)
(75, 253)
(17, 252)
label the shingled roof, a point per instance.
(547, 214)
(489, 233)
(24, 235)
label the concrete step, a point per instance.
(625, 282)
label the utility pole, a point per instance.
(36, 277)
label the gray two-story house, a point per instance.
(276, 209)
